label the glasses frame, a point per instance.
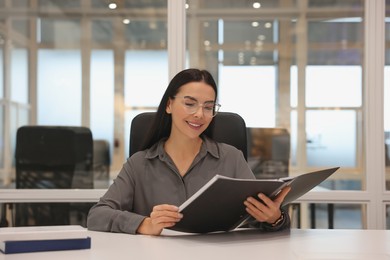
(216, 106)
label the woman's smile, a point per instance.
(193, 125)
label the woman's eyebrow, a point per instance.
(190, 97)
(194, 99)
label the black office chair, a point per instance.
(226, 128)
(269, 152)
(51, 157)
(101, 159)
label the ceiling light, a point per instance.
(256, 5)
(255, 24)
(112, 6)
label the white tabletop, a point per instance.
(294, 244)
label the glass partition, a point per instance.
(291, 70)
(45, 214)
(329, 216)
(59, 87)
(102, 96)
(19, 75)
(90, 68)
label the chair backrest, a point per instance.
(226, 128)
(57, 157)
(52, 157)
(101, 159)
(269, 152)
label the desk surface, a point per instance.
(249, 244)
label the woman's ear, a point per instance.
(168, 109)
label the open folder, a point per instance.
(219, 204)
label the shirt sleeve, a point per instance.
(113, 212)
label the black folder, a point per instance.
(219, 204)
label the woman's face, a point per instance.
(191, 109)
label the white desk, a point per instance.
(295, 244)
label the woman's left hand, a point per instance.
(266, 210)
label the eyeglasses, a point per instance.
(191, 105)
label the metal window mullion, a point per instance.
(176, 36)
(301, 60)
(86, 71)
(373, 76)
(7, 98)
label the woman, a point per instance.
(176, 162)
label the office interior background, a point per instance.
(317, 68)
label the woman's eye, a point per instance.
(190, 104)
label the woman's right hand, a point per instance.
(162, 216)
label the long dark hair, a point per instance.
(161, 126)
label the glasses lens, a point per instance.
(209, 108)
(216, 109)
(190, 105)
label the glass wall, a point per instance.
(59, 87)
(330, 216)
(102, 95)
(291, 70)
(80, 63)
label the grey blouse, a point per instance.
(149, 178)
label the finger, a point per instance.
(255, 212)
(265, 199)
(282, 195)
(268, 207)
(164, 220)
(258, 207)
(165, 213)
(265, 204)
(163, 207)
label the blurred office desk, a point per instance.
(249, 244)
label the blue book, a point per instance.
(28, 246)
(38, 239)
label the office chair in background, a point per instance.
(101, 161)
(269, 152)
(226, 127)
(51, 157)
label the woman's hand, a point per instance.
(267, 210)
(162, 216)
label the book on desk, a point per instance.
(219, 204)
(43, 238)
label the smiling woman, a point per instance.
(177, 160)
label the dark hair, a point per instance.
(161, 126)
